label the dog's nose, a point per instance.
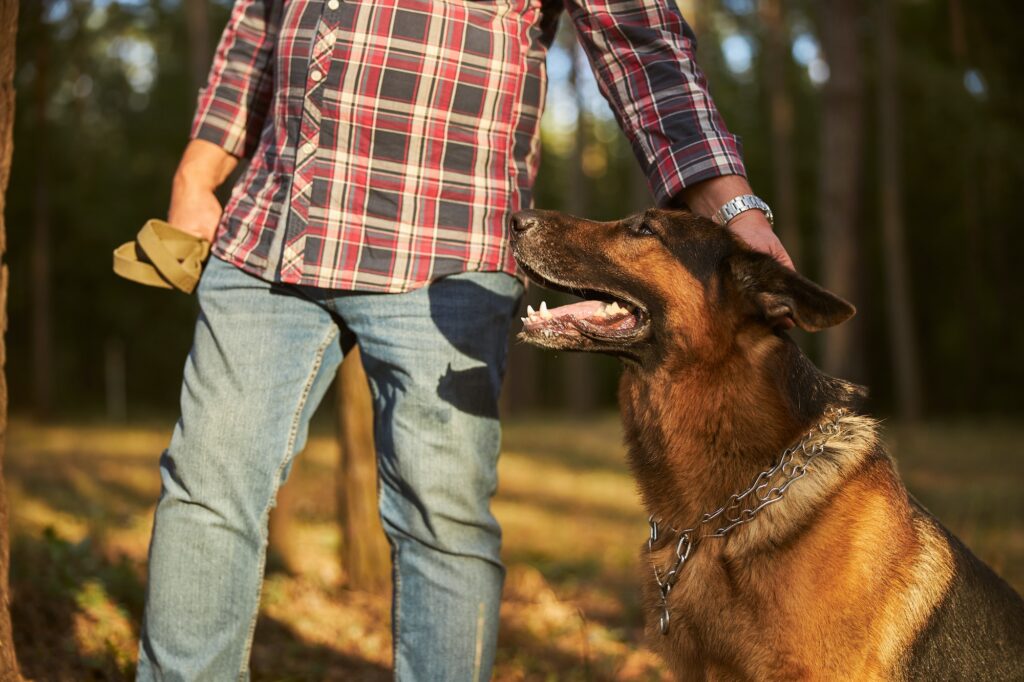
(523, 221)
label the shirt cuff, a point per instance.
(687, 163)
(227, 132)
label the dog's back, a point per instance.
(976, 632)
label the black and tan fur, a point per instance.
(848, 577)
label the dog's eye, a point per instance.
(642, 229)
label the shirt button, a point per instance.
(329, 39)
(333, 4)
(316, 75)
(307, 149)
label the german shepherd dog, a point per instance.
(784, 545)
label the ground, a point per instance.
(82, 500)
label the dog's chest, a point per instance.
(721, 621)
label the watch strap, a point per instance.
(744, 202)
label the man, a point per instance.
(388, 142)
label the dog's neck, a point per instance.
(698, 434)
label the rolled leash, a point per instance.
(162, 256)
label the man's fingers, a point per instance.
(782, 256)
(761, 238)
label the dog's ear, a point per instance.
(785, 297)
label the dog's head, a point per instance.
(657, 281)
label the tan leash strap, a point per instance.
(162, 256)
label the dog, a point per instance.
(784, 545)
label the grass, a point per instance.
(82, 499)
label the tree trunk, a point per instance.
(42, 323)
(694, 11)
(842, 131)
(578, 369)
(8, 31)
(197, 24)
(520, 392)
(974, 232)
(365, 556)
(780, 109)
(903, 346)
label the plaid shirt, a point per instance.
(389, 140)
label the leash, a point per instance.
(162, 256)
(768, 487)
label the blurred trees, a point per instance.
(841, 217)
(890, 189)
(781, 119)
(106, 107)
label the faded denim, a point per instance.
(263, 356)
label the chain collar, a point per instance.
(768, 488)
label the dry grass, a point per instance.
(82, 501)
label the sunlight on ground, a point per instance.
(82, 499)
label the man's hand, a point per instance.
(705, 198)
(753, 228)
(195, 208)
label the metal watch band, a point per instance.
(744, 202)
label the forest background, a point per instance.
(886, 134)
(859, 147)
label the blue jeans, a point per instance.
(263, 356)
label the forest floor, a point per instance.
(82, 498)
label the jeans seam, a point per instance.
(288, 454)
(396, 598)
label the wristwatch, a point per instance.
(744, 202)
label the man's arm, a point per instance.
(230, 115)
(642, 52)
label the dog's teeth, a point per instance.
(530, 312)
(544, 312)
(614, 308)
(524, 319)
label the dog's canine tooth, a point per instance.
(544, 313)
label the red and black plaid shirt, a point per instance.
(390, 139)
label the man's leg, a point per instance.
(262, 358)
(435, 359)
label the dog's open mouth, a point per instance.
(600, 316)
(607, 319)
(591, 318)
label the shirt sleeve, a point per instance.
(234, 104)
(643, 54)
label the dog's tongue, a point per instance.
(579, 309)
(594, 312)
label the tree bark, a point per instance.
(903, 346)
(842, 131)
(8, 31)
(365, 555)
(780, 109)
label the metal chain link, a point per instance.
(744, 506)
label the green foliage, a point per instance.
(105, 100)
